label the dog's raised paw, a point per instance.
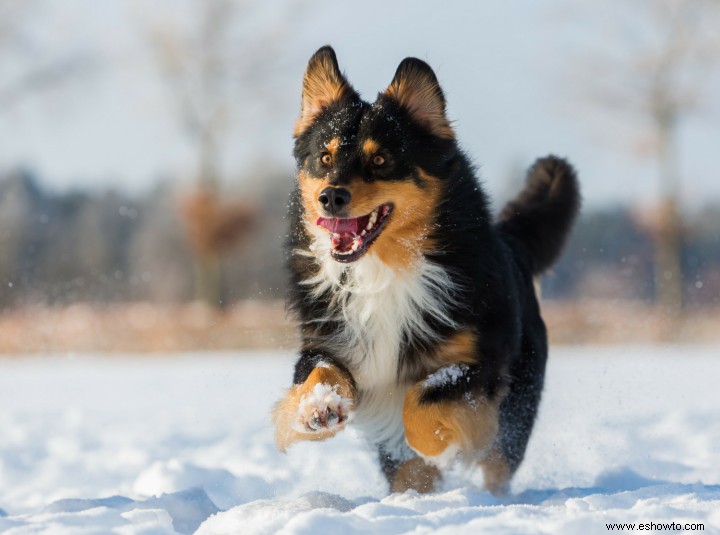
(322, 409)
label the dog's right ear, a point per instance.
(323, 84)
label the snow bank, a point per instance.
(179, 512)
(184, 443)
(464, 511)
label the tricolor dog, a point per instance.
(418, 316)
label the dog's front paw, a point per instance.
(322, 409)
(316, 409)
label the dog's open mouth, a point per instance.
(351, 236)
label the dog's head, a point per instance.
(371, 175)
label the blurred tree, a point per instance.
(654, 70)
(214, 65)
(262, 274)
(19, 199)
(214, 228)
(160, 262)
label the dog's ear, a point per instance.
(323, 85)
(415, 87)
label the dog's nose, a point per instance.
(334, 199)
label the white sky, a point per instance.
(510, 71)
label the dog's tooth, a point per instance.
(363, 233)
(373, 218)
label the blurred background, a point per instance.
(145, 157)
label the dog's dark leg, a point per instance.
(318, 405)
(413, 474)
(388, 463)
(417, 475)
(517, 413)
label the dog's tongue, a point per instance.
(342, 242)
(343, 225)
(344, 231)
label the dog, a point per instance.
(419, 320)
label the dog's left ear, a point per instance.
(415, 87)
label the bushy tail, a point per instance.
(539, 219)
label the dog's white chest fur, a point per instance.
(380, 308)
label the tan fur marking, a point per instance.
(417, 475)
(333, 145)
(459, 349)
(286, 409)
(322, 86)
(419, 96)
(310, 189)
(370, 147)
(431, 428)
(405, 236)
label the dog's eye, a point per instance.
(378, 160)
(326, 158)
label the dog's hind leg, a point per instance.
(440, 430)
(517, 415)
(417, 475)
(413, 474)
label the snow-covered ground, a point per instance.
(179, 443)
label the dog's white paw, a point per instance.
(322, 409)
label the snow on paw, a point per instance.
(315, 409)
(322, 409)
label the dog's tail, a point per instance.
(539, 219)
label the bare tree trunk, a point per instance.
(207, 285)
(668, 270)
(207, 280)
(205, 65)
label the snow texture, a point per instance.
(449, 375)
(184, 443)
